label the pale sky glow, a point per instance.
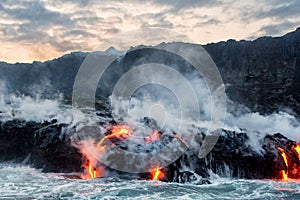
(41, 30)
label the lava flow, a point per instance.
(90, 171)
(283, 172)
(283, 156)
(297, 149)
(157, 174)
(294, 171)
(155, 136)
(115, 133)
(120, 132)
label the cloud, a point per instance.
(209, 22)
(274, 17)
(283, 9)
(45, 26)
(183, 4)
(67, 25)
(278, 29)
(36, 13)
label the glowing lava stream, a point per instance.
(297, 149)
(155, 136)
(119, 132)
(90, 171)
(283, 172)
(284, 175)
(157, 174)
(93, 172)
(283, 156)
(122, 132)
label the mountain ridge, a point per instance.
(261, 74)
(87, 52)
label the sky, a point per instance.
(42, 30)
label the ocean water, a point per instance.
(22, 182)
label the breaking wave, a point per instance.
(28, 183)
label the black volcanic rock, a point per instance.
(233, 156)
(48, 146)
(42, 145)
(235, 153)
(53, 145)
(17, 139)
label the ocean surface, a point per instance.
(22, 182)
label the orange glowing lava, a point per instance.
(157, 174)
(115, 134)
(283, 156)
(297, 149)
(120, 132)
(292, 169)
(155, 136)
(283, 172)
(92, 171)
(284, 175)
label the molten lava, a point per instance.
(283, 172)
(115, 134)
(92, 171)
(284, 175)
(157, 174)
(283, 156)
(297, 149)
(120, 132)
(154, 137)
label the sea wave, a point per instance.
(23, 182)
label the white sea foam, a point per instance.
(27, 183)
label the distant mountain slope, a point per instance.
(263, 74)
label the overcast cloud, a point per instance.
(40, 30)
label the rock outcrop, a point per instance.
(42, 145)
